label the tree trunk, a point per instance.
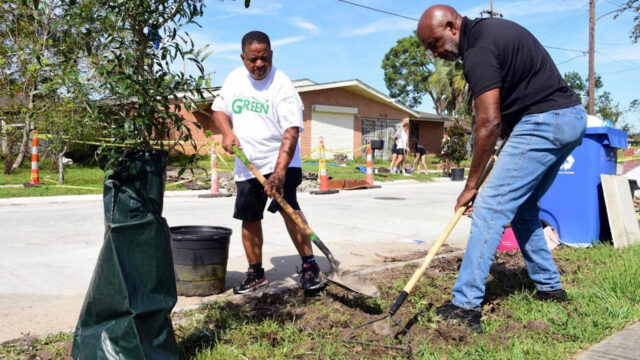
(61, 166)
(4, 139)
(23, 145)
(8, 160)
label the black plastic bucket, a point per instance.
(457, 174)
(200, 256)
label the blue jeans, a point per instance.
(526, 168)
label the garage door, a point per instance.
(336, 128)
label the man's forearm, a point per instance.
(223, 123)
(488, 126)
(485, 141)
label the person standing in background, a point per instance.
(402, 149)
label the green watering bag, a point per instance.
(126, 310)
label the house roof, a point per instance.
(356, 86)
(424, 116)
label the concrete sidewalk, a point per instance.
(624, 345)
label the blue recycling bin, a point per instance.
(572, 204)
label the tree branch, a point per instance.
(173, 13)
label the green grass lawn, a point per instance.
(85, 179)
(79, 180)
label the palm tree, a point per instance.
(450, 85)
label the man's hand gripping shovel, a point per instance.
(351, 335)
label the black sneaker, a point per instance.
(251, 283)
(310, 276)
(553, 295)
(452, 313)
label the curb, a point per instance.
(283, 286)
(91, 197)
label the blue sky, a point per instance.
(329, 40)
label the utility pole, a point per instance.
(592, 76)
(490, 12)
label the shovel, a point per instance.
(346, 280)
(349, 338)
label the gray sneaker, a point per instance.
(310, 277)
(253, 282)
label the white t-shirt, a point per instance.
(260, 111)
(402, 139)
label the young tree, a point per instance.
(455, 148)
(136, 92)
(132, 48)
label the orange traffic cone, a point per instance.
(369, 164)
(35, 170)
(215, 185)
(322, 174)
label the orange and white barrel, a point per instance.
(35, 170)
(369, 164)
(322, 168)
(215, 186)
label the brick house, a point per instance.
(346, 114)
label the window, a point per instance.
(413, 131)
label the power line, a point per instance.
(580, 12)
(614, 3)
(378, 10)
(619, 71)
(573, 58)
(628, 66)
(559, 48)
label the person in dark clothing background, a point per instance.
(419, 161)
(519, 93)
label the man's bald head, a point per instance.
(439, 31)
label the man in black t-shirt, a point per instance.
(517, 91)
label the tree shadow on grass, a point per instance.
(356, 302)
(508, 275)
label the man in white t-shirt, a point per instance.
(260, 111)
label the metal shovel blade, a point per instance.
(352, 282)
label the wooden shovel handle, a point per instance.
(438, 244)
(288, 209)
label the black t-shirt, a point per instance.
(498, 53)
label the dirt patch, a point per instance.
(334, 313)
(199, 179)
